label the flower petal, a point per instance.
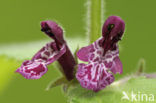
(32, 69)
(117, 66)
(35, 68)
(53, 30)
(49, 53)
(83, 53)
(112, 61)
(93, 76)
(91, 52)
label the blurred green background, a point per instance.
(20, 24)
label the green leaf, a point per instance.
(114, 93)
(57, 82)
(69, 84)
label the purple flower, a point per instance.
(56, 50)
(102, 57)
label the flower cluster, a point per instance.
(102, 56)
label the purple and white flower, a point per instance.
(102, 57)
(56, 50)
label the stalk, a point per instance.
(94, 16)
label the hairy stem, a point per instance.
(95, 12)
